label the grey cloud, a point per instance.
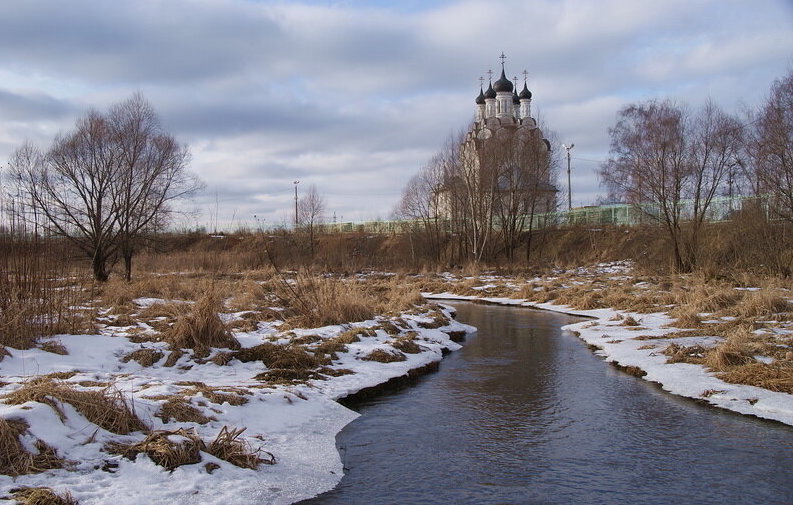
(356, 99)
(32, 106)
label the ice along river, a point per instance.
(526, 414)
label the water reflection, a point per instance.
(525, 413)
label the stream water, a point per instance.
(526, 414)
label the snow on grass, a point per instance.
(295, 421)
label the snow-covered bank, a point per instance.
(296, 422)
(640, 344)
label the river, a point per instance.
(525, 413)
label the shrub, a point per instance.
(106, 408)
(200, 328)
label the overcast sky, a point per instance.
(354, 96)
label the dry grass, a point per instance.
(144, 357)
(229, 447)
(172, 449)
(384, 356)
(179, 409)
(54, 347)
(686, 316)
(764, 303)
(15, 459)
(774, 377)
(201, 329)
(106, 408)
(168, 449)
(219, 395)
(313, 301)
(34, 301)
(41, 496)
(406, 343)
(279, 356)
(695, 354)
(728, 355)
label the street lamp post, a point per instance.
(569, 189)
(296, 183)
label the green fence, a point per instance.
(617, 214)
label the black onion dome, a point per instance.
(503, 84)
(481, 98)
(515, 98)
(490, 93)
(525, 93)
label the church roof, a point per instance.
(481, 98)
(515, 98)
(490, 93)
(503, 84)
(525, 93)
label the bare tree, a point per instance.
(421, 205)
(311, 214)
(525, 187)
(107, 182)
(715, 141)
(671, 163)
(72, 186)
(152, 172)
(773, 160)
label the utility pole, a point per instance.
(569, 189)
(296, 183)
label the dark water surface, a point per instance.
(525, 413)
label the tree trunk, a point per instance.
(99, 266)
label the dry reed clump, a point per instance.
(41, 496)
(774, 377)
(707, 297)
(179, 409)
(54, 347)
(172, 449)
(686, 317)
(144, 357)
(694, 354)
(313, 301)
(763, 303)
(219, 395)
(727, 355)
(222, 358)
(279, 356)
(630, 321)
(173, 357)
(438, 320)
(330, 347)
(406, 343)
(288, 376)
(229, 447)
(168, 449)
(389, 327)
(15, 459)
(201, 328)
(385, 356)
(106, 408)
(35, 300)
